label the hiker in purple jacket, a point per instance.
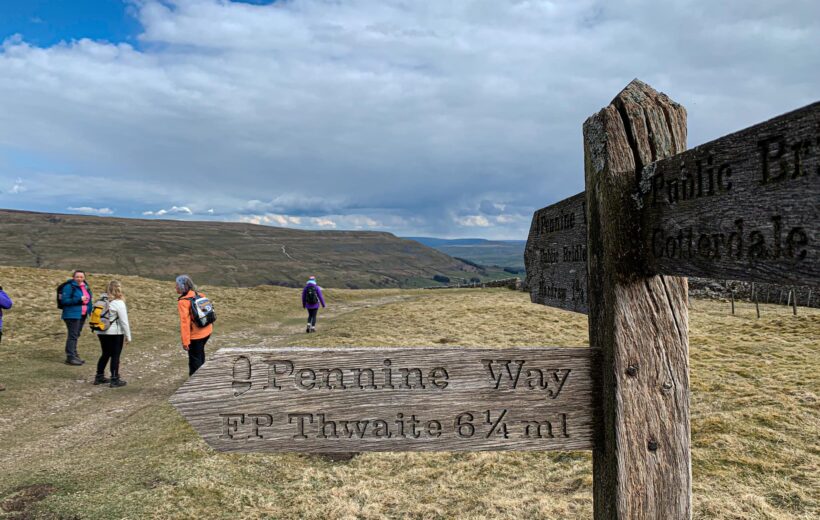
(311, 299)
(5, 303)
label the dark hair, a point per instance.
(77, 271)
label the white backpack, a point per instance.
(202, 310)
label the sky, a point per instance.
(421, 118)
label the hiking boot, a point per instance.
(307, 329)
(313, 328)
(73, 361)
(116, 382)
(100, 379)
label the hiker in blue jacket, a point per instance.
(76, 302)
(5, 304)
(311, 299)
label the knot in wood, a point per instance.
(632, 370)
(652, 445)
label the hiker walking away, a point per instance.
(109, 320)
(196, 316)
(74, 298)
(311, 299)
(5, 304)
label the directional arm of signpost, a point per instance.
(318, 400)
(743, 207)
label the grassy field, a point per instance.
(73, 450)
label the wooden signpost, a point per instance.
(399, 399)
(742, 207)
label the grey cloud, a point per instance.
(417, 115)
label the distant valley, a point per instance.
(502, 253)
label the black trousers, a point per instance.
(111, 345)
(75, 327)
(312, 313)
(196, 354)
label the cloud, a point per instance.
(405, 113)
(491, 208)
(175, 210)
(324, 223)
(271, 219)
(92, 211)
(18, 187)
(473, 221)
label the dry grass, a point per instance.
(126, 453)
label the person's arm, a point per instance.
(5, 300)
(321, 296)
(70, 296)
(183, 306)
(122, 316)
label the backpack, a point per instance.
(202, 310)
(312, 295)
(60, 288)
(100, 318)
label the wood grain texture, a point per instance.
(642, 466)
(556, 255)
(743, 207)
(233, 403)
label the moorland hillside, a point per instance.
(222, 253)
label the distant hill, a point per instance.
(503, 253)
(220, 253)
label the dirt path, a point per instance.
(66, 412)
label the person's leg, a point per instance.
(104, 357)
(116, 350)
(196, 354)
(2, 386)
(72, 336)
(312, 317)
(80, 326)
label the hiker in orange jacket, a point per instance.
(194, 337)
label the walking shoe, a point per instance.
(73, 361)
(100, 379)
(116, 382)
(313, 328)
(307, 329)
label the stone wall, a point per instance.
(510, 283)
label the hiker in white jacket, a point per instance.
(114, 337)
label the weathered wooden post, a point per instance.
(642, 466)
(757, 307)
(794, 300)
(732, 293)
